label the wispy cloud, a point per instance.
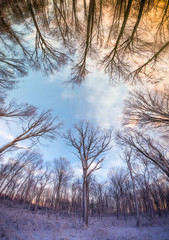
(6, 135)
(105, 101)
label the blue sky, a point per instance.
(95, 101)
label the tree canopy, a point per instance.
(127, 38)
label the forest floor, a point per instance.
(18, 224)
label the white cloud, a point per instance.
(6, 135)
(67, 93)
(78, 172)
(77, 168)
(22, 146)
(105, 101)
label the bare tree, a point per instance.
(13, 110)
(89, 143)
(28, 179)
(121, 31)
(97, 197)
(44, 179)
(76, 193)
(145, 146)
(80, 69)
(51, 58)
(119, 188)
(38, 126)
(62, 173)
(17, 165)
(128, 159)
(148, 108)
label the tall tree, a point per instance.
(90, 144)
(127, 156)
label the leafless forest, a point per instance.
(128, 39)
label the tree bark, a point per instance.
(135, 195)
(85, 203)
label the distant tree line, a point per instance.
(54, 189)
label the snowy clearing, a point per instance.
(17, 224)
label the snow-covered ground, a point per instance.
(18, 224)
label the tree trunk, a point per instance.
(85, 202)
(117, 208)
(135, 195)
